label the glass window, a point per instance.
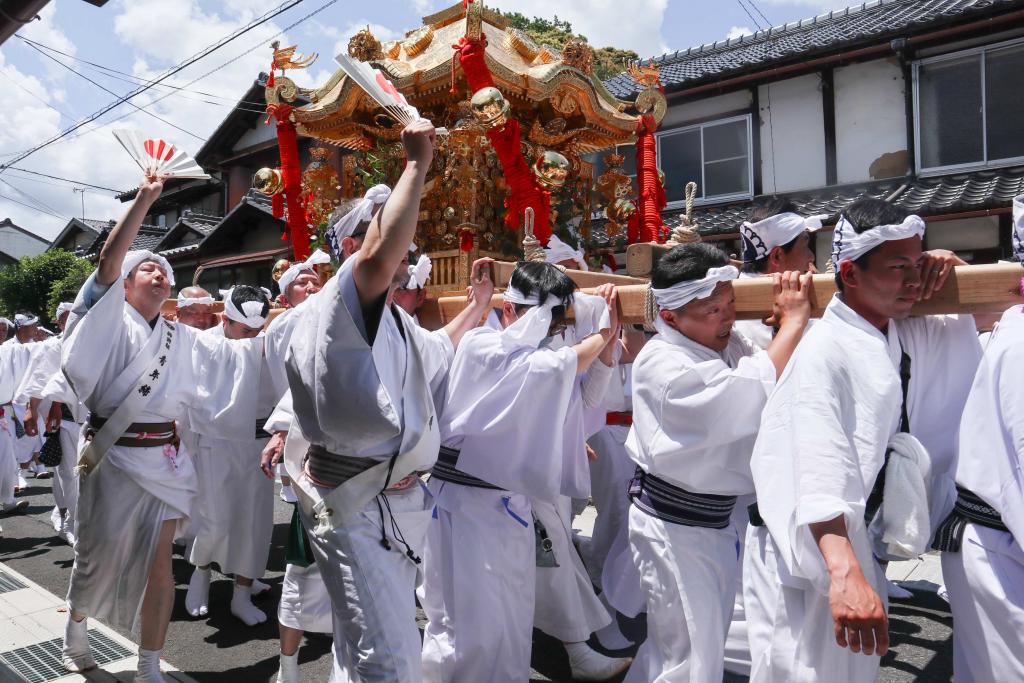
(967, 108)
(715, 155)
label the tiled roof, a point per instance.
(871, 22)
(180, 251)
(149, 236)
(960, 193)
(97, 226)
(201, 222)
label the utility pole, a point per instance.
(81, 190)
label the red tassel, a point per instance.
(466, 241)
(277, 205)
(610, 260)
(270, 78)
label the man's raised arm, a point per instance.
(393, 228)
(123, 234)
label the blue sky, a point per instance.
(143, 38)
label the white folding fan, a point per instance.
(159, 157)
(383, 91)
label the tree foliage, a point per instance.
(608, 61)
(38, 283)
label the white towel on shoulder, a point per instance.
(905, 518)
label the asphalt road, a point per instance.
(220, 649)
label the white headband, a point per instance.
(252, 313)
(186, 301)
(134, 258)
(62, 308)
(513, 295)
(419, 272)
(362, 211)
(849, 245)
(317, 258)
(682, 293)
(775, 231)
(558, 251)
(1018, 227)
(23, 320)
(5, 321)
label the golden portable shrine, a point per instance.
(520, 118)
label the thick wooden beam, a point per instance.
(641, 257)
(970, 289)
(502, 273)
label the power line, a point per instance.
(758, 10)
(111, 92)
(31, 197)
(747, 11)
(62, 185)
(138, 91)
(38, 206)
(136, 80)
(35, 96)
(67, 180)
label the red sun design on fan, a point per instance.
(388, 87)
(160, 150)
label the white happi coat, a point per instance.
(822, 443)
(365, 392)
(985, 579)
(125, 500)
(506, 412)
(695, 416)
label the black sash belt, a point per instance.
(670, 503)
(969, 508)
(65, 413)
(445, 470)
(261, 433)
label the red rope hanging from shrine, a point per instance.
(646, 224)
(523, 188)
(291, 174)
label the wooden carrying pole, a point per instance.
(970, 289)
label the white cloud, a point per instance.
(423, 7)
(635, 25)
(737, 31)
(44, 31)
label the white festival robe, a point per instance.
(19, 359)
(233, 514)
(985, 579)
(505, 412)
(821, 446)
(367, 400)
(44, 380)
(13, 361)
(125, 500)
(695, 417)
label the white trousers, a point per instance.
(737, 642)
(478, 587)
(65, 481)
(609, 482)
(689, 577)
(566, 606)
(985, 581)
(27, 446)
(233, 517)
(792, 637)
(8, 462)
(305, 604)
(372, 588)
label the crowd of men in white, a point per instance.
(751, 478)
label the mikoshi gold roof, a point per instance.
(554, 95)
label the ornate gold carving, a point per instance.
(541, 135)
(417, 41)
(577, 54)
(321, 187)
(644, 74)
(474, 20)
(518, 42)
(364, 46)
(564, 101)
(285, 57)
(392, 49)
(616, 190)
(651, 100)
(546, 55)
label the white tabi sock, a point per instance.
(75, 655)
(197, 599)
(588, 665)
(148, 670)
(258, 587)
(242, 607)
(288, 672)
(56, 519)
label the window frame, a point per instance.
(987, 163)
(716, 199)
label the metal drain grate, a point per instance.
(40, 662)
(8, 583)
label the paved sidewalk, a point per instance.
(32, 626)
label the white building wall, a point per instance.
(871, 119)
(682, 114)
(792, 135)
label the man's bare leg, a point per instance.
(291, 639)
